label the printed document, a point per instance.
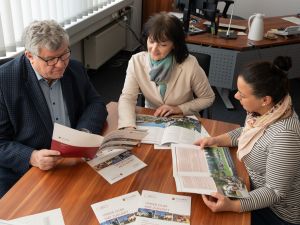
(52, 217)
(118, 210)
(292, 19)
(204, 171)
(167, 130)
(116, 164)
(164, 209)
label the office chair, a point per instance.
(225, 14)
(226, 7)
(140, 100)
(204, 62)
(180, 4)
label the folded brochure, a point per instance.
(74, 143)
(205, 171)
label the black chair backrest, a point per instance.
(203, 60)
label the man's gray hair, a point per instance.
(44, 34)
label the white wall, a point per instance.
(81, 31)
(246, 8)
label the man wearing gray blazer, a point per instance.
(39, 88)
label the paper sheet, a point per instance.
(292, 19)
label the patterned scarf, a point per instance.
(160, 72)
(256, 125)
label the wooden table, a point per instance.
(73, 186)
(242, 43)
(229, 56)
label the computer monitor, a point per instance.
(206, 9)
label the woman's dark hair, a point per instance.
(162, 27)
(269, 79)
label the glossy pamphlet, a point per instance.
(164, 209)
(204, 171)
(118, 210)
(116, 164)
(149, 208)
(167, 130)
(75, 143)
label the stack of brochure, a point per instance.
(162, 131)
(111, 155)
(150, 208)
(204, 171)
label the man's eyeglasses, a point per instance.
(53, 61)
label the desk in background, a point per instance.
(73, 186)
(229, 56)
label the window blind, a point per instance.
(15, 15)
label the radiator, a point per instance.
(102, 45)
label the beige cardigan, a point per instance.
(187, 78)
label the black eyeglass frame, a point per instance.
(55, 59)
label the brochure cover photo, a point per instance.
(167, 130)
(164, 209)
(205, 171)
(118, 210)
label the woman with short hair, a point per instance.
(170, 79)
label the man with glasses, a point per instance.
(41, 87)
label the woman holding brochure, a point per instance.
(166, 74)
(269, 146)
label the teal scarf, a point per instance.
(160, 72)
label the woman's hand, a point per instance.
(221, 140)
(206, 141)
(219, 203)
(167, 110)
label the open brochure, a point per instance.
(164, 209)
(52, 217)
(206, 171)
(167, 130)
(116, 164)
(75, 143)
(118, 210)
(150, 208)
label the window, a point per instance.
(15, 15)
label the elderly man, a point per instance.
(39, 88)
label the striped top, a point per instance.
(274, 169)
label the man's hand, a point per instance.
(45, 159)
(167, 110)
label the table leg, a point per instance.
(224, 93)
